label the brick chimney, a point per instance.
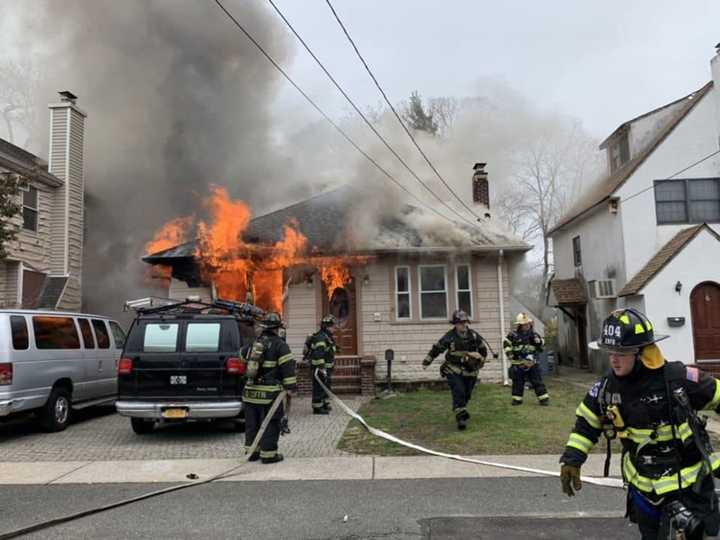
(480, 186)
(67, 141)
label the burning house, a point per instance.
(391, 276)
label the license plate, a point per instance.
(178, 379)
(175, 413)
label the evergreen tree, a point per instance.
(418, 118)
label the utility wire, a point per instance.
(325, 116)
(672, 176)
(363, 116)
(394, 111)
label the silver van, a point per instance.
(52, 361)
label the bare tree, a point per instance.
(18, 88)
(443, 110)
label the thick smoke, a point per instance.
(177, 99)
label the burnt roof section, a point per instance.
(568, 291)
(602, 191)
(322, 220)
(21, 161)
(661, 259)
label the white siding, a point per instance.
(58, 160)
(179, 290)
(301, 314)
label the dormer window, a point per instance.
(619, 152)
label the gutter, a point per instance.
(503, 358)
(33, 173)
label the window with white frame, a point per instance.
(30, 209)
(463, 286)
(403, 302)
(433, 291)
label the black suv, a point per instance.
(181, 362)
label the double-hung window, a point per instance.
(403, 302)
(433, 291)
(30, 209)
(463, 286)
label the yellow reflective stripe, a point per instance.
(263, 387)
(666, 484)
(319, 344)
(716, 398)
(257, 401)
(625, 319)
(318, 362)
(287, 381)
(285, 358)
(663, 433)
(591, 418)
(269, 363)
(517, 398)
(268, 453)
(639, 329)
(580, 443)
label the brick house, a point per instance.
(44, 264)
(400, 298)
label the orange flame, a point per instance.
(171, 234)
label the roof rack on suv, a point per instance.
(192, 304)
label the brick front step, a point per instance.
(346, 389)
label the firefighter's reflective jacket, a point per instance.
(320, 349)
(276, 369)
(660, 450)
(522, 347)
(464, 354)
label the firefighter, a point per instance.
(320, 350)
(270, 368)
(651, 405)
(465, 355)
(522, 346)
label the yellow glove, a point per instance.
(570, 478)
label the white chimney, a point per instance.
(715, 67)
(67, 141)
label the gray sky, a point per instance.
(602, 62)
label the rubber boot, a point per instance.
(254, 456)
(545, 402)
(276, 459)
(321, 411)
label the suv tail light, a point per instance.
(125, 366)
(235, 366)
(6, 373)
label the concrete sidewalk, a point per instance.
(327, 468)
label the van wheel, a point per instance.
(142, 426)
(55, 415)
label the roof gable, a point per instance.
(603, 190)
(663, 257)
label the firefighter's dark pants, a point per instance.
(461, 388)
(320, 398)
(254, 417)
(534, 376)
(703, 504)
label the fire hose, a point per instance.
(604, 482)
(84, 513)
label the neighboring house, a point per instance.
(401, 298)
(44, 264)
(647, 236)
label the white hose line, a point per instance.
(605, 482)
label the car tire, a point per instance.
(55, 414)
(142, 426)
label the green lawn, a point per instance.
(425, 417)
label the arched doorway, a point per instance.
(341, 304)
(705, 311)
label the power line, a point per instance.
(363, 116)
(325, 116)
(672, 176)
(394, 111)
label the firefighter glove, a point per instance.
(570, 478)
(427, 361)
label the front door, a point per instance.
(705, 309)
(341, 304)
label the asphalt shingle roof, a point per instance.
(662, 258)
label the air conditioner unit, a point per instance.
(602, 288)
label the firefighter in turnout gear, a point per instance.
(465, 355)
(651, 406)
(270, 368)
(320, 350)
(522, 346)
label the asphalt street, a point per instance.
(438, 509)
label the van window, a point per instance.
(87, 335)
(103, 338)
(160, 337)
(19, 329)
(55, 332)
(118, 334)
(203, 337)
